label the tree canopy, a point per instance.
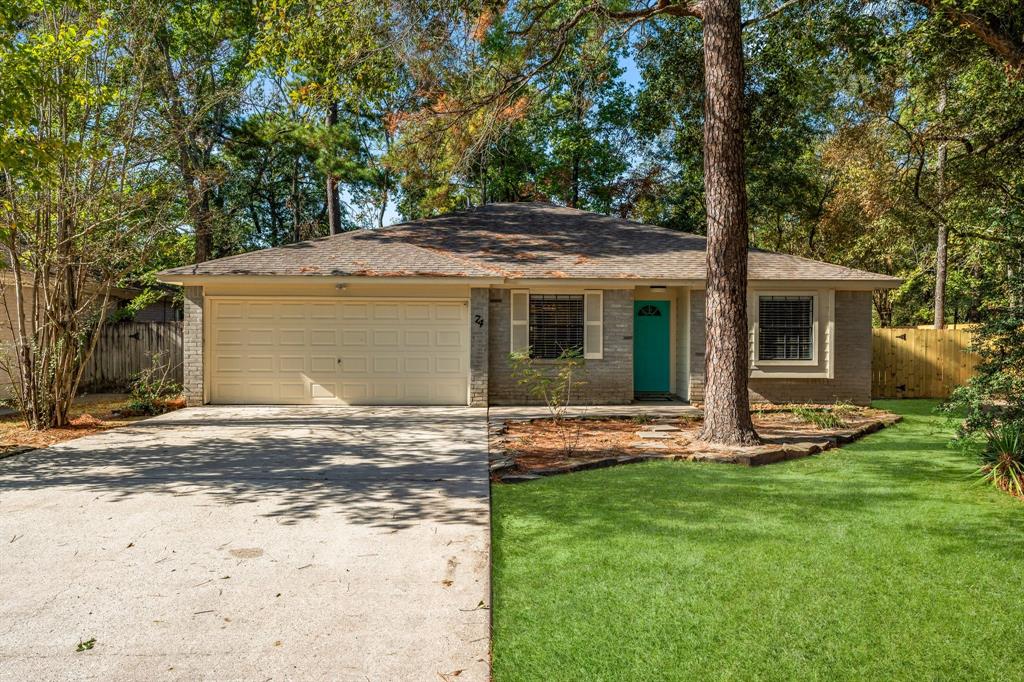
(874, 132)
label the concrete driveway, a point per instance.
(257, 543)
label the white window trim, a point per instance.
(824, 344)
(756, 322)
(514, 323)
(588, 353)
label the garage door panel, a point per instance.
(447, 393)
(339, 352)
(293, 363)
(449, 311)
(320, 364)
(385, 337)
(293, 311)
(449, 339)
(386, 311)
(417, 338)
(417, 365)
(261, 364)
(385, 365)
(323, 337)
(323, 311)
(417, 311)
(228, 311)
(261, 338)
(354, 364)
(448, 365)
(292, 391)
(228, 337)
(259, 311)
(230, 363)
(355, 311)
(387, 390)
(355, 393)
(326, 390)
(354, 337)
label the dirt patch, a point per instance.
(89, 415)
(537, 447)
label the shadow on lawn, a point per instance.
(384, 467)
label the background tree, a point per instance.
(81, 202)
(202, 68)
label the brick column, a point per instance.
(479, 354)
(698, 345)
(192, 346)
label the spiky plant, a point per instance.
(1002, 460)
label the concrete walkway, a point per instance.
(251, 544)
(649, 409)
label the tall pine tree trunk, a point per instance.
(726, 403)
(943, 233)
(333, 202)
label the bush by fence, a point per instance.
(126, 348)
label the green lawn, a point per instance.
(877, 561)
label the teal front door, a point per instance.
(651, 346)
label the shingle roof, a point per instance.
(514, 241)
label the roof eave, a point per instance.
(201, 279)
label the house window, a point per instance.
(556, 325)
(785, 328)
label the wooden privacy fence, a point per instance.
(920, 363)
(126, 348)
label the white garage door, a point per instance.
(347, 352)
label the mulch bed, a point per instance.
(93, 417)
(525, 450)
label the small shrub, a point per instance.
(823, 419)
(1002, 459)
(642, 418)
(152, 388)
(556, 386)
(843, 409)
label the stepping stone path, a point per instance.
(660, 427)
(656, 432)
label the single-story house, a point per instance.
(428, 312)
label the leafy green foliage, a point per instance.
(82, 197)
(995, 395)
(153, 387)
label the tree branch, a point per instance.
(1008, 47)
(768, 15)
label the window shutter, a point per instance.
(593, 325)
(520, 307)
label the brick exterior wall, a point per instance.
(479, 337)
(682, 357)
(192, 346)
(609, 380)
(852, 382)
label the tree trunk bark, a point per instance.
(726, 403)
(333, 202)
(203, 222)
(943, 234)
